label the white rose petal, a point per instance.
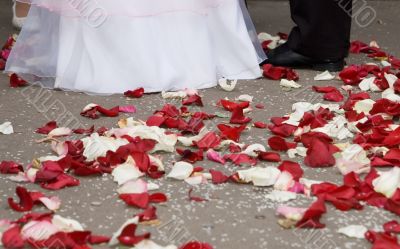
(284, 182)
(352, 158)
(195, 180)
(390, 95)
(301, 151)
(366, 84)
(164, 142)
(157, 162)
(66, 225)
(89, 107)
(353, 231)
(126, 172)
(188, 141)
(133, 187)
(336, 128)
(347, 87)
(245, 97)
(364, 106)
(386, 64)
(226, 143)
(60, 132)
(227, 85)
(391, 79)
(6, 128)
(52, 203)
(97, 146)
(388, 182)
(181, 171)
(281, 196)
(174, 95)
(308, 184)
(252, 149)
(148, 244)
(38, 230)
(275, 40)
(289, 84)
(152, 186)
(263, 177)
(324, 76)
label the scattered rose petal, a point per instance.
(227, 85)
(181, 171)
(16, 81)
(6, 128)
(137, 93)
(280, 196)
(353, 231)
(289, 84)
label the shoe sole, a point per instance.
(330, 66)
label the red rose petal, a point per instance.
(269, 156)
(137, 200)
(16, 81)
(293, 168)
(393, 138)
(231, 132)
(97, 239)
(218, 177)
(353, 75)
(193, 99)
(319, 154)
(12, 238)
(278, 73)
(128, 236)
(10, 167)
(392, 227)
(196, 245)
(155, 120)
(312, 216)
(240, 159)
(279, 144)
(148, 214)
(238, 116)
(195, 198)
(190, 156)
(331, 93)
(382, 240)
(84, 131)
(158, 198)
(47, 128)
(283, 130)
(25, 203)
(260, 125)
(260, 106)
(357, 47)
(230, 105)
(209, 141)
(60, 182)
(137, 93)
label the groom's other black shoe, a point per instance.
(321, 37)
(286, 57)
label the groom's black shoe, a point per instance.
(286, 57)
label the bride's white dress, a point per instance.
(111, 46)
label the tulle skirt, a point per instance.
(111, 46)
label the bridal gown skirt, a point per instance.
(161, 45)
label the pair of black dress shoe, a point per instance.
(286, 57)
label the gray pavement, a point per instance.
(237, 216)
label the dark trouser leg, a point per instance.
(323, 28)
